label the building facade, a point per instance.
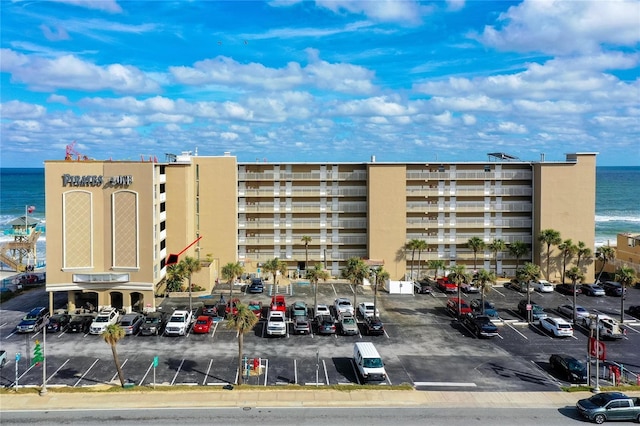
(116, 222)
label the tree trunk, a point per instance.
(117, 362)
(240, 364)
(419, 252)
(413, 255)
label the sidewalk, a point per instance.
(290, 398)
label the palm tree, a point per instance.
(529, 272)
(518, 249)
(497, 246)
(413, 246)
(229, 272)
(314, 275)
(475, 244)
(112, 335)
(175, 276)
(436, 265)
(243, 321)
(485, 279)
(282, 268)
(583, 252)
(575, 275)
(458, 275)
(550, 237)
(379, 277)
(420, 247)
(189, 266)
(272, 266)
(355, 271)
(568, 250)
(306, 240)
(606, 255)
(625, 276)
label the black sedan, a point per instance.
(568, 289)
(373, 326)
(568, 368)
(80, 324)
(58, 322)
(256, 286)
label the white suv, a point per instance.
(105, 318)
(178, 324)
(276, 324)
(557, 326)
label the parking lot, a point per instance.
(423, 345)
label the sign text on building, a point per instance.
(93, 180)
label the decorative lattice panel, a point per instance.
(125, 229)
(77, 230)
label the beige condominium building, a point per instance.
(112, 224)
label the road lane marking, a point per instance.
(446, 384)
(326, 375)
(89, 369)
(204, 382)
(145, 374)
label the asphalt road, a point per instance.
(265, 416)
(423, 345)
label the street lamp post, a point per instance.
(595, 326)
(375, 293)
(43, 389)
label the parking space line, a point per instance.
(204, 382)
(12, 333)
(334, 289)
(553, 379)
(514, 329)
(145, 374)
(326, 375)
(630, 328)
(215, 327)
(494, 289)
(266, 369)
(355, 371)
(295, 372)
(116, 375)
(3, 324)
(89, 369)
(446, 384)
(59, 368)
(177, 372)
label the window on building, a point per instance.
(487, 168)
(163, 207)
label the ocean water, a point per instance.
(617, 201)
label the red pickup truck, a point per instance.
(278, 304)
(446, 286)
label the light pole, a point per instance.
(43, 389)
(375, 293)
(595, 326)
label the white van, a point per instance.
(368, 362)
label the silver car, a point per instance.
(348, 324)
(567, 310)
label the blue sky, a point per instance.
(327, 80)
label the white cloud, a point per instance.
(398, 11)
(70, 72)
(110, 6)
(18, 110)
(344, 78)
(564, 27)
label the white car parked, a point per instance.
(366, 310)
(322, 309)
(543, 286)
(343, 305)
(276, 324)
(558, 326)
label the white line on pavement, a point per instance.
(204, 382)
(446, 384)
(89, 369)
(177, 372)
(514, 329)
(59, 368)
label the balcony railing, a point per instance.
(470, 207)
(470, 175)
(467, 223)
(480, 191)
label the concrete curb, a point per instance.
(289, 398)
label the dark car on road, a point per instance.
(634, 311)
(423, 287)
(154, 324)
(489, 308)
(301, 324)
(537, 311)
(80, 323)
(256, 286)
(568, 368)
(480, 325)
(568, 289)
(373, 326)
(210, 309)
(58, 322)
